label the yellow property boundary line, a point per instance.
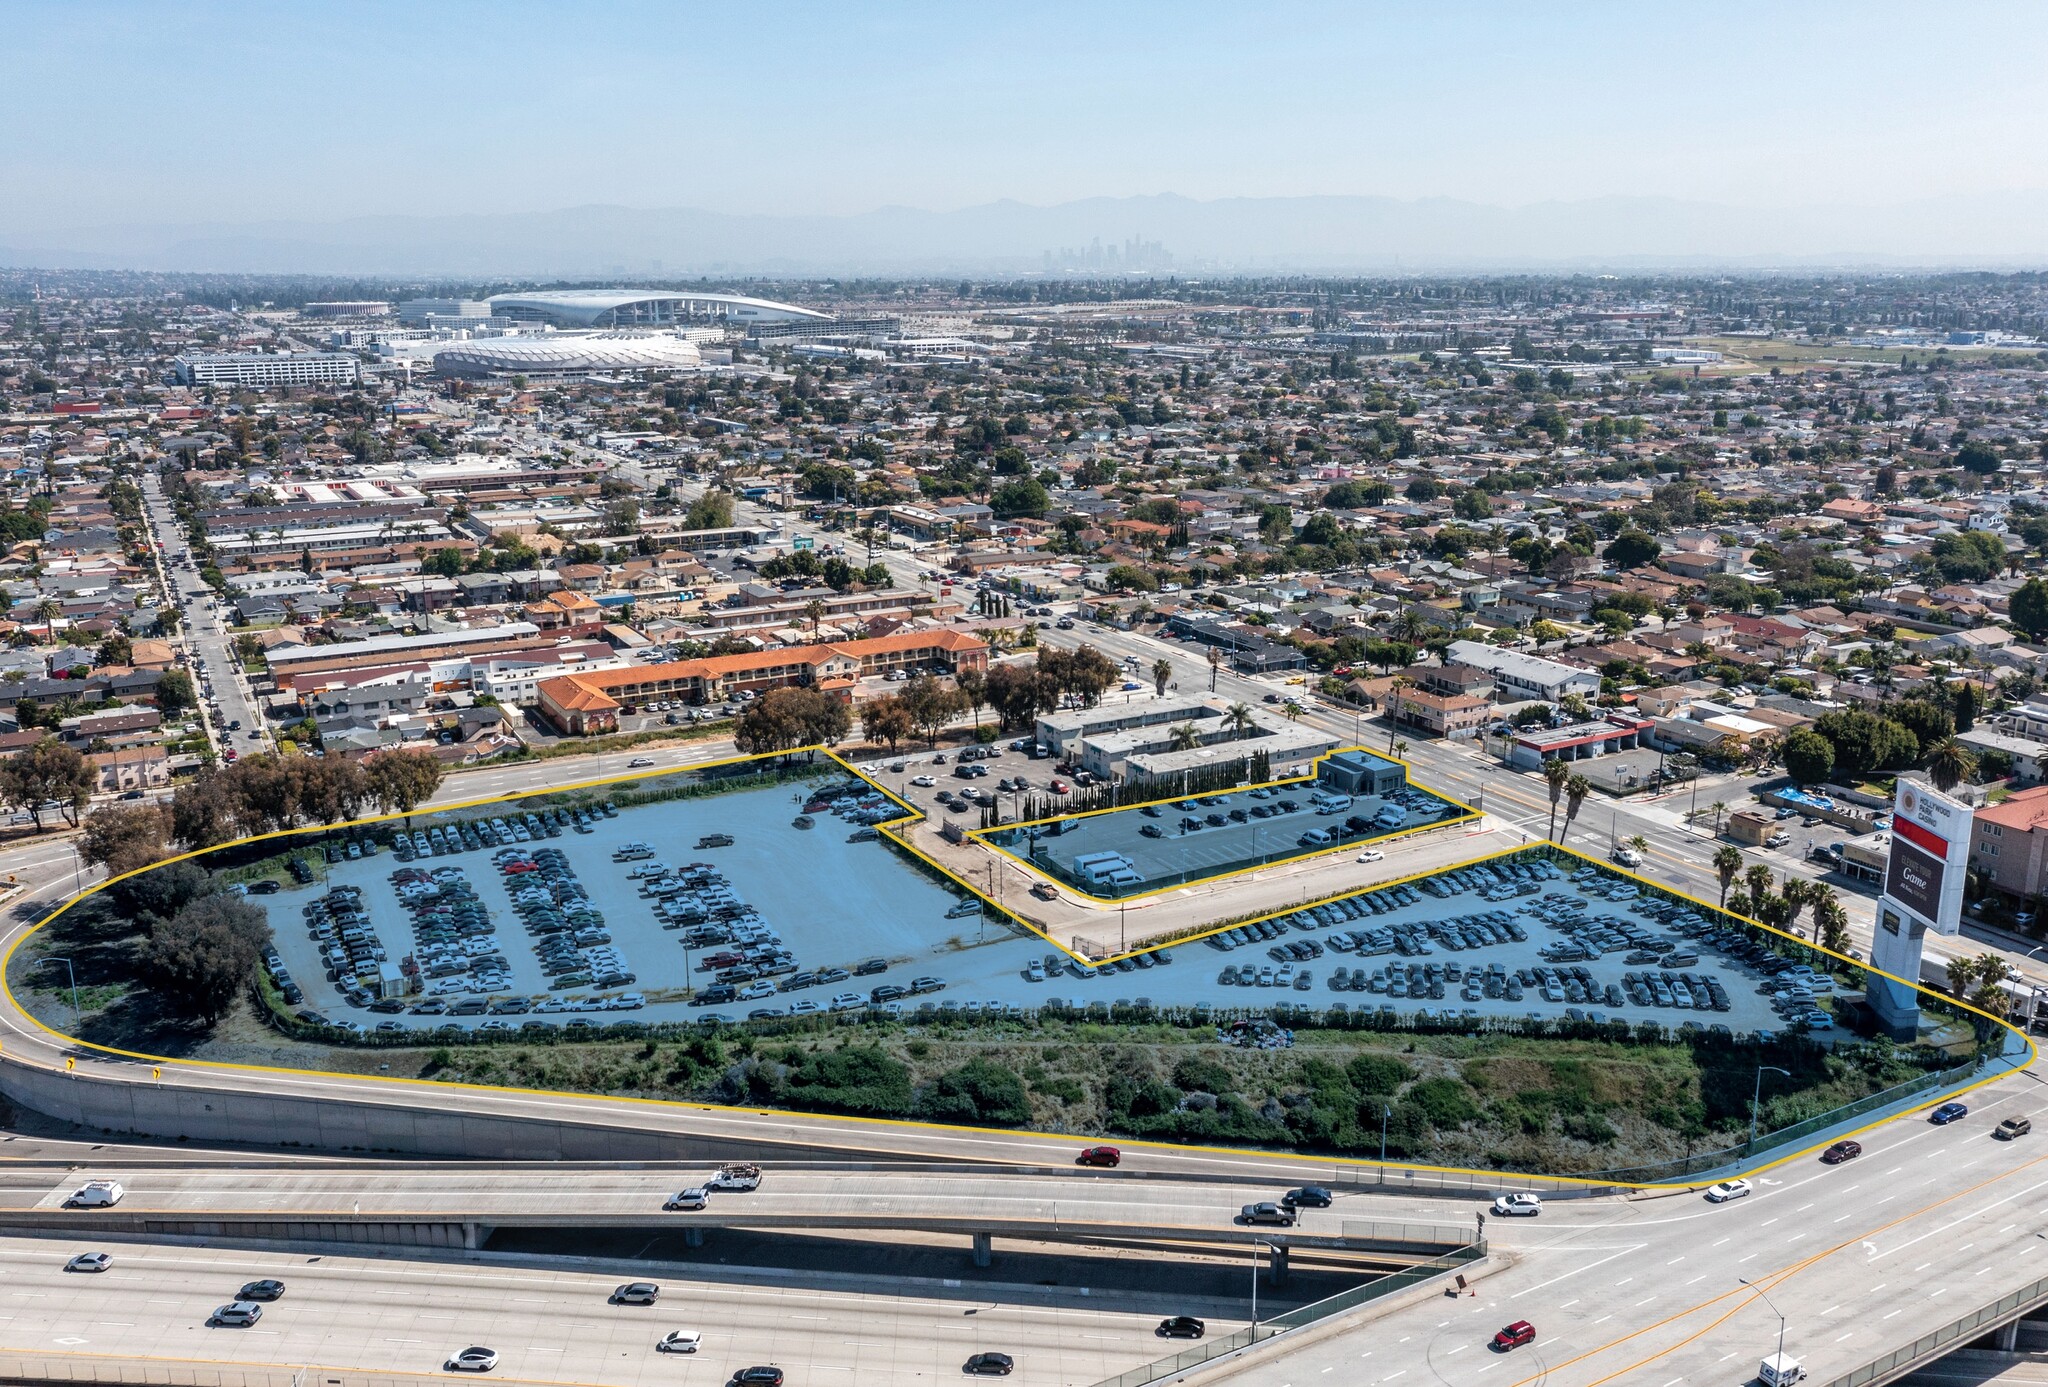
(909, 1124)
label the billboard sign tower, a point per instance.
(1923, 890)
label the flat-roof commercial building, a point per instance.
(268, 369)
(1531, 747)
(581, 704)
(1518, 676)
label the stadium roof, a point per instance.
(561, 354)
(618, 307)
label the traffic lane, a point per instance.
(1081, 1196)
(546, 1326)
(1663, 1290)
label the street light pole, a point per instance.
(1385, 1113)
(1756, 1096)
(1257, 1243)
(1774, 1310)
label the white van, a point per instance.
(1315, 838)
(96, 1194)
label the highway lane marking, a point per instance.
(1850, 1335)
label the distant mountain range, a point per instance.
(1331, 234)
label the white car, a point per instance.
(1727, 1190)
(1372, 855)
(679, 1341)
(687, 1200)
(472, 1360)
(923, 782)
(1522, 1205)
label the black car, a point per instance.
(990, 1364)
(1307, 1197)
(1182, 1327)
(261, 1290)
(758, 1376)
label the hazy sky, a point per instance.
(118, 112)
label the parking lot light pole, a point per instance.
(73, 976)
(1756, 1096)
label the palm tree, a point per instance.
(1727, 862)
(1831, 923)
(1950, 764)
(1758, 880)
(1962, 974)
(1292, 709)
(1719, 807)
(1823, 899)
(1575, 791)
(1239, 717)
(1186, 737)
(1795, 893)
(1394, 688)
(1639, 844)
(1991, 972)
(1162, 675)
(1555, 774)
(1399, 750)
(815, 610)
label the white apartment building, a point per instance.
(268, 368)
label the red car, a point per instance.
(1058, 787)
(1100, 1155)
(1514, 1336)
(1842, 1151)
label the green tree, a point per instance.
(785, 719)
(1949, 764)
(402, 780)
(1024, 497)
(1162, 675)
(2028, 608)
(1555, 773)
(174, 692)
(1809, 757)
(711, 511)
(45, 775)
(1727, 862)
(205, 956)
(1632, 549)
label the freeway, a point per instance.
(1927, 1225)
(547, 1326)
(1060, 1201)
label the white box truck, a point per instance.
(1780, 1370)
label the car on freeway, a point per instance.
(1514, 1336)
(1841, 1151)
(1181, 1327)
(89, 1261)
(1947, 1113)
(760, 1375)
(741, 1176)
(1728, 1190)
(261, 1290)
(678, 1341)
(2013, 1127)
(1307, 1197)
(1100, 1155)
(636, 1293)
(95, 1194)
(1372, 855)
(1267, 1212)
(990, 1365)
(1521, 1205)
(236, 1314)
(696, 1197)
(638, 762)
(474, 1359)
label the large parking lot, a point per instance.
(722, 906)
(1141, 849)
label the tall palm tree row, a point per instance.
(1727, 862)
(1576, 788)
(1555, 774)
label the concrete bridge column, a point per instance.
(2006, 1337)
(693, 1237)
(984, 1250)
(1276, 1265)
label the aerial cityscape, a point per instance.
(822, 698)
